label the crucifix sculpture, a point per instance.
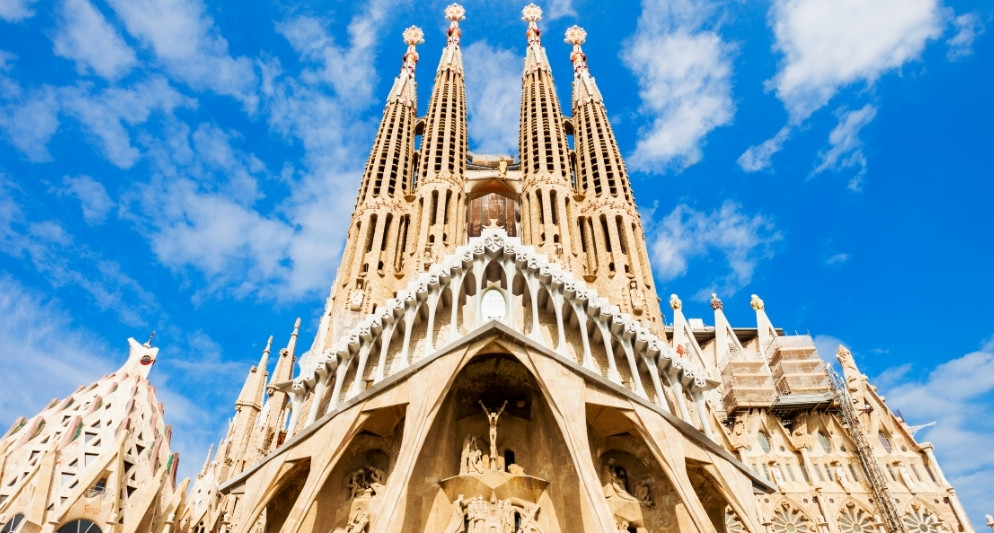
(492, 417)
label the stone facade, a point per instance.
(493, 358)
(95, 461)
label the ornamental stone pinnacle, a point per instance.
(756, 303)
(675, 303)
(454, 13)
(531, 13)
(716, 304)
(413, 36)
(576, 35)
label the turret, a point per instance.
(612, 242)
(547, 188)
(247, 408)
(442, 161)
(271, 430)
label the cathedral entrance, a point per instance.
(494, 460)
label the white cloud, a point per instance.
(106, 114)
(727, 235)
(968, 26)
(30, 123)
(55, 253)
(959, 395)
(85, 36)
(493, 97)
(827, 45)
(845, 148)
(188, 44)
(559, 9)
(758, 157)
(684, 75)
(43, 348)
(837, 259)
(15, 10)
(92, 196)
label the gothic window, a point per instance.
(13, 524)
(919, 520)
(733, 524)
(787, 520)
(79, 526)
(855, 520)
(825, 443)
(885, 441)
(764, 441)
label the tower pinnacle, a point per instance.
(532, 14)
(454, 13)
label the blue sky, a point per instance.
(189, 168)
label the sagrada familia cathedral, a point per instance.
(493, 358)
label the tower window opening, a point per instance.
(445, 214)
(541, 207)
(554, 207)
(368, 247)
(607, 235)
(433, 211)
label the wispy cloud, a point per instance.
(760, 156)
(29, 122)
(493, 97)
(684, 72)
(829, 45)
(968, 27)
(92, 196)
(736, 241)
(190, 47)
(85, 36)
(559, 9)
(15, 10)
(41, 339)
(106, 113)
(845, 147)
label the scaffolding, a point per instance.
(798, 371)
(878, 483)
(747, 382)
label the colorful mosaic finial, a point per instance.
(413, 36)
(716, 303)
(576, 36)
(756, 303)
(532, 14)
(454, 13)
(675, 303)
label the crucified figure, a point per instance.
(493, 431)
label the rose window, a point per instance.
(732, 522)
(855, 521)
(921, 521)
(790, 521)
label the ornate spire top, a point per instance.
(454, 13)
(413, 36)
(148, 343)
(842, 352)
(576, 36)
(532, 14)
(756, 303)
(716, 302)
(675, 303)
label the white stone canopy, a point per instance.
(447, 302)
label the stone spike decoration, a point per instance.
(493, 358)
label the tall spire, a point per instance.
(547, 187)
(377, 236)
(442, 161)
(613, 242)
